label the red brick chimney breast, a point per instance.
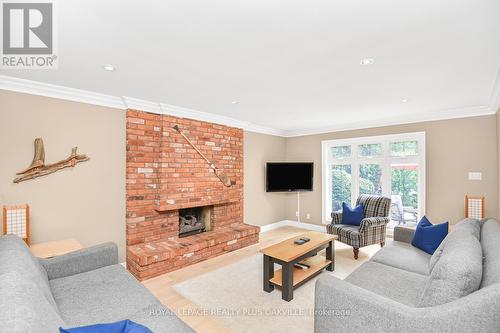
(165, 174)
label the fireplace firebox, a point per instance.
(195, 220)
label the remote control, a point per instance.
(301, 266)
(304, 265)
(305, 239)
(299, 242)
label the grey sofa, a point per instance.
(403, 289)
(80, 288)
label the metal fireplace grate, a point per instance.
(194, 220)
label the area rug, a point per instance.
(234, 295)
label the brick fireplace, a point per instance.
(178, 211)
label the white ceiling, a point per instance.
(292, 65)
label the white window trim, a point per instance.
(385, 159)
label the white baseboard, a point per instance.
(290, 223)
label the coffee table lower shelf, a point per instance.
(316, 263)
(287, 253)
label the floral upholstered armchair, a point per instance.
(372, 228)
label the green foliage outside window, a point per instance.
(341, 151)
(341, 186)
(370, 174)
(404, 148)
(371, 149)
(405, 184)
(404, 178)
(341, 189)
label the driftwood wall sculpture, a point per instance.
(38, 167)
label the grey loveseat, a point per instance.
(403, 289)
(80, 288)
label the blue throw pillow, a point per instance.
(124, 326)
(352, 216)
(428, 236)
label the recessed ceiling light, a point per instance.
(404, 100)
(366, 62)
(234, 102)
(109, 68)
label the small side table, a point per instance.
(56, 248)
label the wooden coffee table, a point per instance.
(287, 254)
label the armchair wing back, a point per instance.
(374, 205)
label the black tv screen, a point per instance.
(288, 177)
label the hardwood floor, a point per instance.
(161, 286)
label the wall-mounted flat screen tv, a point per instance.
(289, 177)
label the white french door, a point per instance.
(391, 166)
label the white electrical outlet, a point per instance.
(308, 216)
(297, 214)
(475, 176)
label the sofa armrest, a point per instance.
(336, 217)
(343, 307)
(81, 261)
(403, 234)
(340, 306)
(371, 222)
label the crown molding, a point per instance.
(495, 93)
(124, 102)
(218, 119)
(142, 105)
(55, 91)
(399, 120)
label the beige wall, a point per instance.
(87, 202)
(260, 207)
(454, 147)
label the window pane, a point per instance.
(404, 207)
(372, 149)
(370, 179)
(404, 148)
(341, 185)
(341, 151)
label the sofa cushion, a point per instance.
(100, 296)
(404, 256)
(458, 271)
(348, 234)
(122, 326)
(394, 283)
(15, 256)
(437, 254)
(490, 242)
(24, 308)
(472, 226)
(158, 318)
(428, 236)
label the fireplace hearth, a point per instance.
(195, 220)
